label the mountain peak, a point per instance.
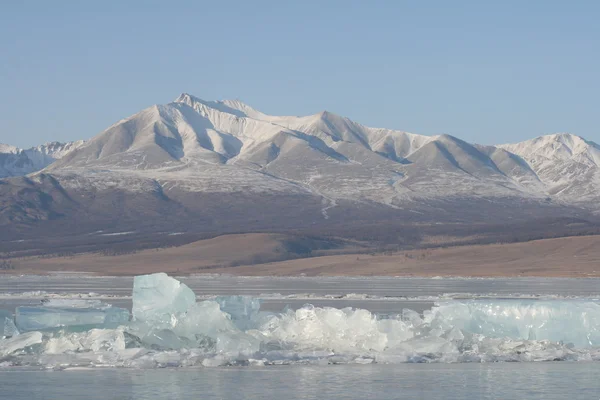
(6, 148)
(566, 139)
(234, 107)
(328, 116)
(558, 146)
(17, 162)
(188, 99)
(569, 139)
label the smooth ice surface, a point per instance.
(75, 303)
(172, 329)
(158, 298)
(73, 318)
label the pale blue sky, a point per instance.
(486, 71)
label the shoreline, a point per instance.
(433, 276)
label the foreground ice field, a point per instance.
(170, 326)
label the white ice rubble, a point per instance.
(170, 328)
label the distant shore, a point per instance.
(576, 257)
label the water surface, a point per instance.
(543, 381)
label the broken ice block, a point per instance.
(242, 309)
(7, 325)
(18, 342)
(73, 318)
(237, 343)
(94, 340)
(157, 298)
(573, 321)
(204, 319)
(164, 339)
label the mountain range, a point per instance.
(19, 162)
(197, 167)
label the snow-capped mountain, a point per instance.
(8, 149)
(201, 159)
(17, 162)
(568, 165)
(227, 146)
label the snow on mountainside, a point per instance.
(197, 146)
(211, 146)
(5, 148)
(560, 146)
(17, 162)
(568, 165)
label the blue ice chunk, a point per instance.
(165, 339)
(242, 309)
(158, 299)
(73, 318)
(7, 324)
(574, 321)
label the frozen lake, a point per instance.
(255, 286)
(377, 294)
(383, 379)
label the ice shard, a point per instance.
(19, 342)
(242, 309)
(204, 319)
(93, 340)
(165, 339)
(7, 325)
(158, 299)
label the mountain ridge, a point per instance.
(17, 162)
(200, 164)
(190, 131)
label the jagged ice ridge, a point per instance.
(169, 328)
